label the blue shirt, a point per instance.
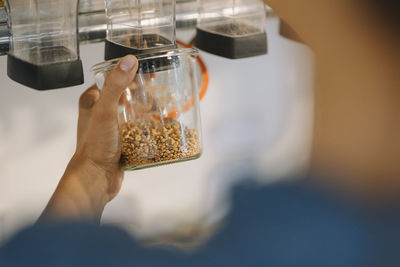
(286, 224)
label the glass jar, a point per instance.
(44, 47)
(232, 28)
(159, 116)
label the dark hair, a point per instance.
(389, 10)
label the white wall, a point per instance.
(257, 116)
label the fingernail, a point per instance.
(127, 64)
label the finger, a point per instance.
(86, 102)
(116, 82)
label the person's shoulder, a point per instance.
(68, 244)
(290, 224)
(292, 192)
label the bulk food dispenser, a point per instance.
(232, 28)
(41, 37)
(44, 49)
(139, 26)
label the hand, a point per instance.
(93, 176)
(292, 15)
(314, 22)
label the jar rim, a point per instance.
(109, 64)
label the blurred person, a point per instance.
(344, 212)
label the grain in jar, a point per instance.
(155, 142)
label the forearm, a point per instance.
(93, 177)
(80, 195)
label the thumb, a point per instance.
(116, 82)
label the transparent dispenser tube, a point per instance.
(139, 26)
(44, 51)
(232, 28)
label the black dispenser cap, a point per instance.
(45, 77)
(114, 50)
(231, 47)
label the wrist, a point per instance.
(89, 177)
(80, 195)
